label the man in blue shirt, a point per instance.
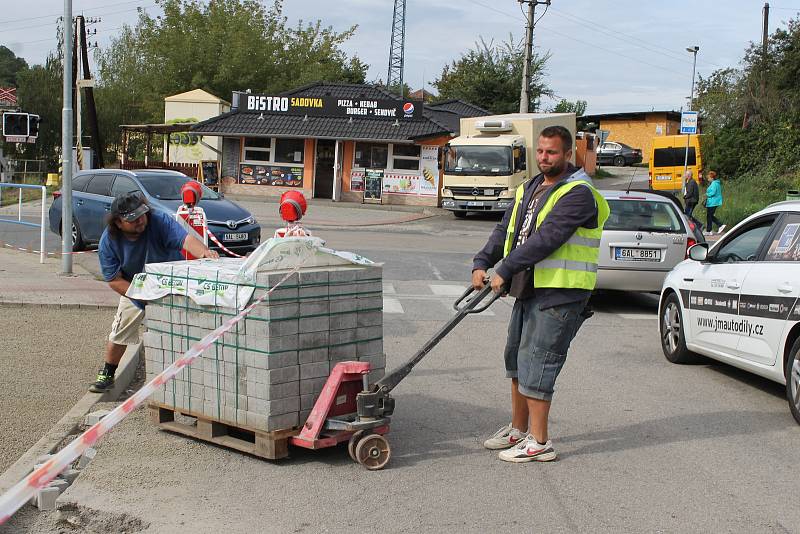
(135, 235)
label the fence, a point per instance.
(42, 224)
(191, 170)
(27, 171)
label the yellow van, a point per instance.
(667, 157)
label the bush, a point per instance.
(749, 193)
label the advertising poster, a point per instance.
(270, 175)
(373, 179)
(357, 180)
(429, 170)
(400, 184)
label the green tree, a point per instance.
(565, 106)
(35, 89)
(10, 67)
(219, 46)
(490, 76)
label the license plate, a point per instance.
(637, 254)
(474, 203)
(663, 177)
(241, 236)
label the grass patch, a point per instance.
(601, 173)
(749, 193)
(10, 195)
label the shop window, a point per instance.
(371, 156)
(289, 150)
(257, 148)
(405, 157)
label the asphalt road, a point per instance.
(644, 445)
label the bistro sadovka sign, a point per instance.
(328, 106)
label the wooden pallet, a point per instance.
(269, 445)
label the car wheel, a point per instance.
(673, 339)
(460, 214)
(619, 161)
(78, 243)
(793, 380)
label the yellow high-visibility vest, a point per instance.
(573, 264)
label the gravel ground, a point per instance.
(49, 357)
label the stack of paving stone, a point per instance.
(267, 372)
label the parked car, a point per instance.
(645, 236)
(618, 154)
(694, 224)
(739, 301)
(93, 191)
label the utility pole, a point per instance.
(66, 145)
(765, 30)
(692, 50)
(525, 94)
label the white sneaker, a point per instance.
(529, 450)
(504, 438)
(721, 229)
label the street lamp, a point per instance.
(692, 50)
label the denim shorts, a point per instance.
(537, 344)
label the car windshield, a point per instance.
(471, 159)
(168, 186)
(643, 215)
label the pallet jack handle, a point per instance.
(470, 305)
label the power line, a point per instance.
(57, 22)
(56, 38)
(60, 14)
(573, 38)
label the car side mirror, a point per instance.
(698, 252)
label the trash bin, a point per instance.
(793, 194)
(52, 178)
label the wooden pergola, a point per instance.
(149, 130)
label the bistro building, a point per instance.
(346, 142)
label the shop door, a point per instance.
(323, 169)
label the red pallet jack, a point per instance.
(353, 410)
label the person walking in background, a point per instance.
(713, 201)
(691, 194)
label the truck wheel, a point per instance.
(619, 161)
(460, 214)
(792, 371)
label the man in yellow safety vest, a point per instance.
(549, 243)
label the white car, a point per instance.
(739, 301)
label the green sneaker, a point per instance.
(104, 383)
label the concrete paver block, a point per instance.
(95, 417)
(69, 475)
(86, 458)
(46, 498)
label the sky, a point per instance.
(627, 55)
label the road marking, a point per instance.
(637, 316)
(388, 289)
(436, 273)
(392, 306)
(447, 290)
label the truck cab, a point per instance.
(484, 166)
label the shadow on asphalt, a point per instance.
(678, 429)
(762, 384)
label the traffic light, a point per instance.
(15, 124)
(33, 125)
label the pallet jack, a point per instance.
(352, 409)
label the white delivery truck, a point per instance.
(492, 156)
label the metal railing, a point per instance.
(27, 171)
(42, 225)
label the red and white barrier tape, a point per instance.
(22, 492)
(220, 245)
(33, 251)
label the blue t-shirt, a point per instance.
(162, 240)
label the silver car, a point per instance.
(645, 236)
